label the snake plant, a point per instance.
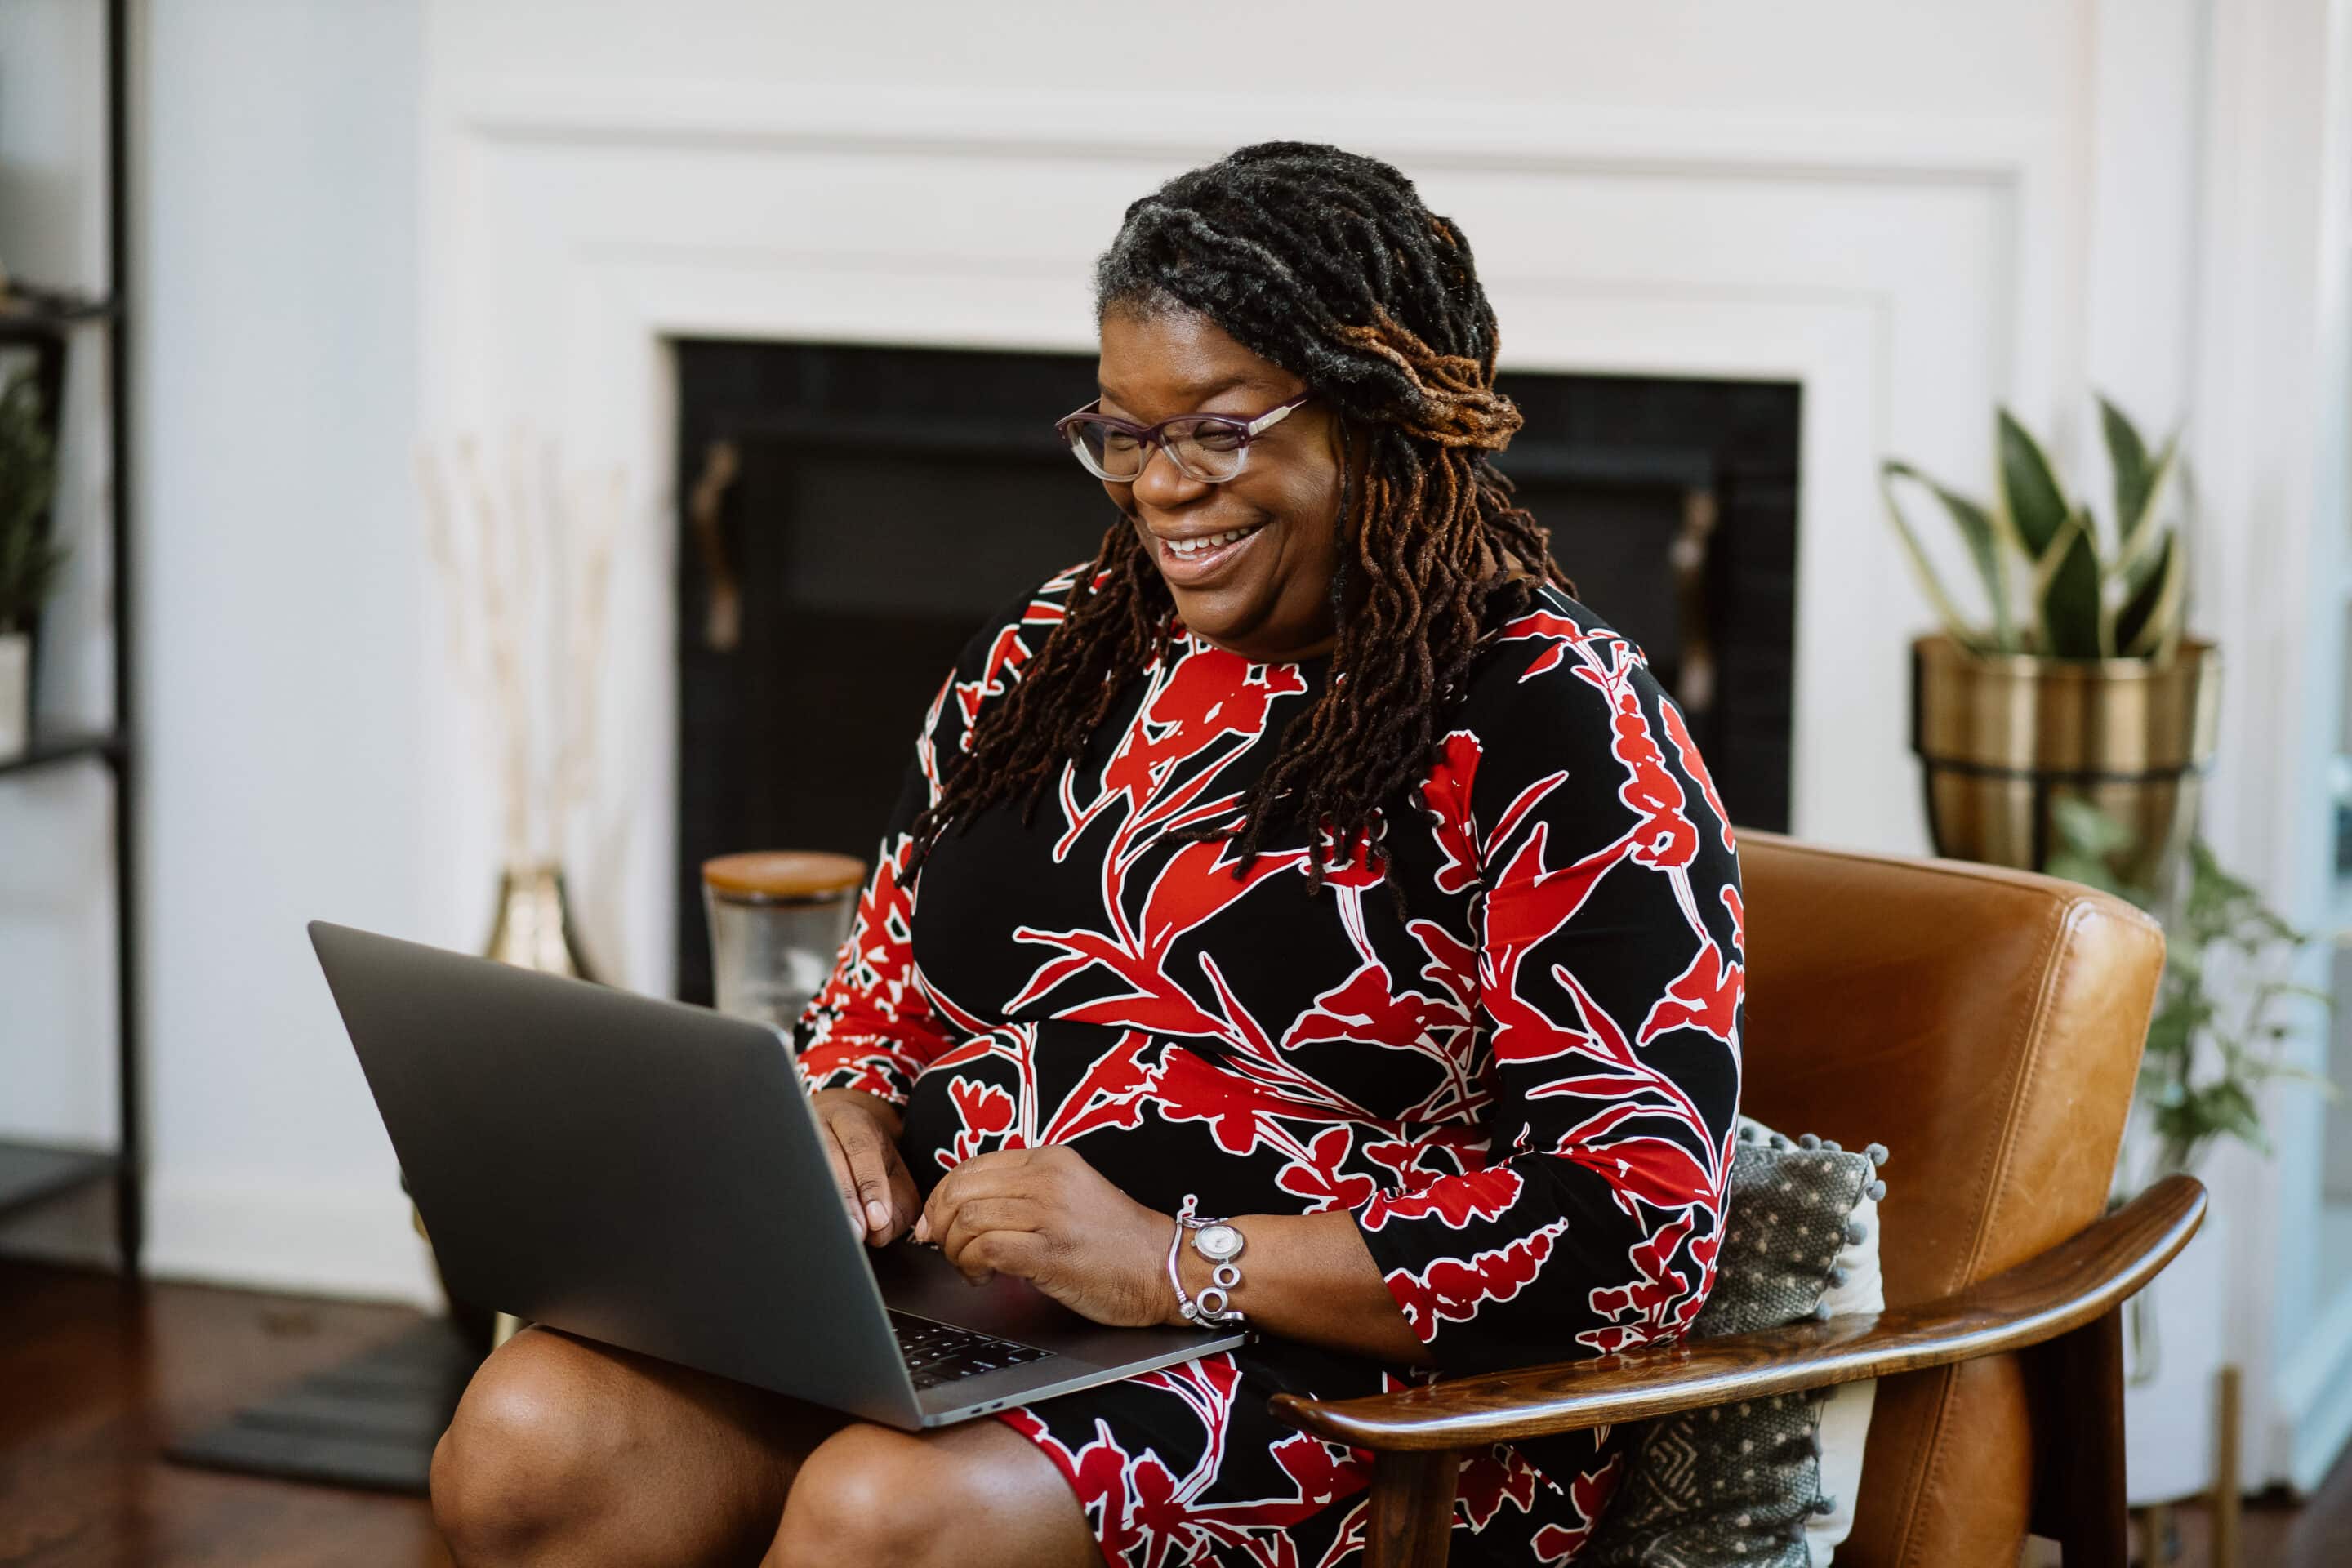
(2090, 593)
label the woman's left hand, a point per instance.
(1047, 1216)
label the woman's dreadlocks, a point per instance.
(1327, 265)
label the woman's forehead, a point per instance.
(1180, 356)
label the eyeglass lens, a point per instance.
(1210, 450)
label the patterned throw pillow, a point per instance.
(1765, 1482)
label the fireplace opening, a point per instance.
(851, 513)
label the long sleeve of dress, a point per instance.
(873, 1027)
(1610, 977)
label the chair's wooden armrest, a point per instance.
(2068, 1286)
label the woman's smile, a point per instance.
(1196, 560)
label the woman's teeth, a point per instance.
(1209, 542)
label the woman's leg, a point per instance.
(572, 1454)
(978, 1495)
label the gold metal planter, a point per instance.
(2000, 738)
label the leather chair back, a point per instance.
(1985, 1026)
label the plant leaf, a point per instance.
(2138, 535)
(2228, 1107)
(2128, 456)
(2144, 624)
(2073, 621)
(28, 561)
(1968, 637)
(2139, 483)
(2088, 840)
(2030, 497)
(1977, 532)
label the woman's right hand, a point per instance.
(861, 1139)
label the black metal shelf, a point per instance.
(43, 321)
(28, 314)
(65, 746)
(33, 1173)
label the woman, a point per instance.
(1310, 860)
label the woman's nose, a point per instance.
(1163, 485)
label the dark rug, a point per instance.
(369, 1422)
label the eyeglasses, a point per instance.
(1209, 447)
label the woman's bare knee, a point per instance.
(524, 1454)
(973, 1495)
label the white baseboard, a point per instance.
(353, 1242)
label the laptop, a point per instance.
(648, 1175)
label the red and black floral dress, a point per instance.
(1522, 1085)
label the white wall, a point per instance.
(276, 389)
(281, 621)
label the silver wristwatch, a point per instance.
(1220, 1243)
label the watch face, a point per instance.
(1217, 1242)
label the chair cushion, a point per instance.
(1765, 1481)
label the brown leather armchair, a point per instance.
(1985, 1026)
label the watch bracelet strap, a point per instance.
(1184, 1301)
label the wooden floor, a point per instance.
(95, 1378)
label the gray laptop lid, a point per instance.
(673, 1206)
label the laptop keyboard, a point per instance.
(941, 1352)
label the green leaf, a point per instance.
(2136, 536)
(1957, 625)
(2127, 455)
(2139, 484)
(2228, 1107)
(2031, 499)
(28, 561)
(1981, 537)
(2084, 826)
(2066, 587)
(2088, 840)
(2169, 1034)
(2151, 611)
(2071, 866)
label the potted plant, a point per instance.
(2076, 679)
(28, 561)
(2069, 736)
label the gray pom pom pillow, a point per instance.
(1769, 1483)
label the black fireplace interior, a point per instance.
(850, 514)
